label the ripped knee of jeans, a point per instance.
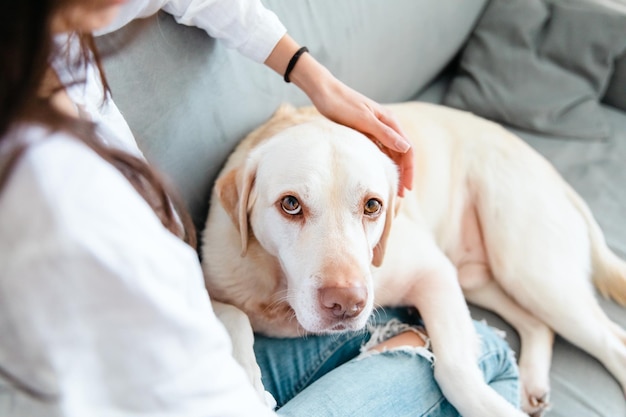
(395, 336)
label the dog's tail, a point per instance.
(609, 271)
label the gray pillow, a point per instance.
(540, 67)
(616, 91)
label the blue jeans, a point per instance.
(323, 375)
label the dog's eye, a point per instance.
(291, 205)
(372, 207)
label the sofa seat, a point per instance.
(189, 100)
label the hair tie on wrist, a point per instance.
(293, 61)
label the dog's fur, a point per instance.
(301, 219)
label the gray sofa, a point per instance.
(189, 100)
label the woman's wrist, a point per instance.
(281, 54)
(314, 79)
(308, 74)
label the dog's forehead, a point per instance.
(321, 153)
(321, 140)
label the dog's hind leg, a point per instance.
(541, 252)
(536, 338)
(555, 287)
(552, 280)
(579, 319)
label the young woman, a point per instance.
(103, 310)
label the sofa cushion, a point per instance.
(616, 92)
(360, 41)
(189, 101)
(520, 51)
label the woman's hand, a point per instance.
(344, 105)
(350, 108)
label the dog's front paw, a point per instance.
(534, 370)
(535, 382)
(240, 331)
(536, 402)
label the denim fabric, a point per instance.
(323, 375)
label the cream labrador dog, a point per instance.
(305, 234)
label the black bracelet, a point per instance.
(293, 61)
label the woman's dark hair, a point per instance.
(26, 50)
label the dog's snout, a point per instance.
(343, 302)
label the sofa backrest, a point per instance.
(189, 99)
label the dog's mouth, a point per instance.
(326, 325)
(342, 327)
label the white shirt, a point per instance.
(243, 24)
(103, 312)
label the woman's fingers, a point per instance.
(389, 134)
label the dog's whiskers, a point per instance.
(279, 298)
(377, 312)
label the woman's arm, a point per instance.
(245, 25)
(257, 33)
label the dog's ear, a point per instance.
(226, 190)
(393, 205)
(233, 190)
(379, 249)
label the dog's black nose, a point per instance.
(343, 302)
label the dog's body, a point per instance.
(301, 217)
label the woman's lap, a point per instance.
(397, 382)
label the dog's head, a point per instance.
(320, 198)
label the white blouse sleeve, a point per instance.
(102, 309)
(245, 25)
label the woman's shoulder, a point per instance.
(63, 199)
(62, 180)
(53, 164)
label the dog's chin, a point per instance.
(341, 328)
(326, 326)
